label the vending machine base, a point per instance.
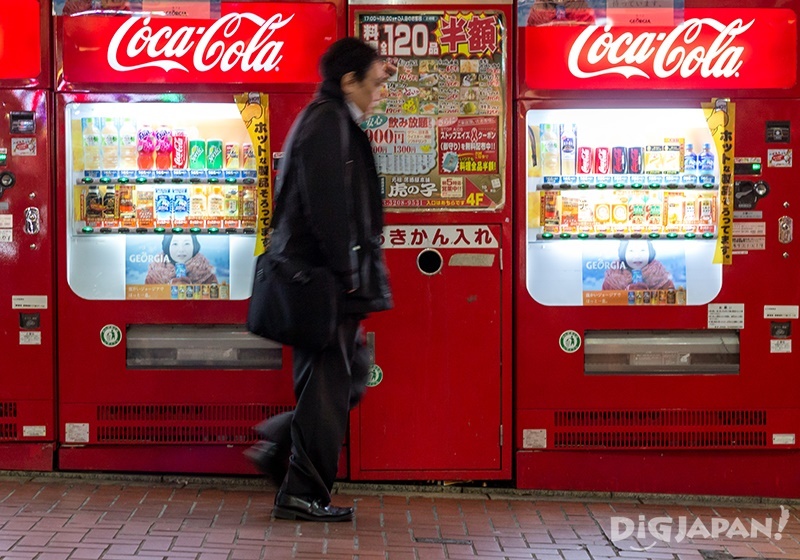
(767, 473)
(27, 456)
(184, 459)
(196, 459)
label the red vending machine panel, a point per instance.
(656, 289)
(169, 129)
(440, 402)
(27, 329)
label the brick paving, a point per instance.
(103, 517)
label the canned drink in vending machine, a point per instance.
(602, 160)
(231, 155)
(585, 160)
(248, 156)
(197, 154)
(180, 146)
(214, 154)
(619, 160)
(635, 159)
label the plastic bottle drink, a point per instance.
(127, 145)
(110, 142)
(549, 142)
(690, 159)
(163, 147)
(94, 205)
(568, 149)
(216, 202)
(706, 159)
(198, 203)
(91, 144)
(180, 205)
(110, 203)
(163, 205)
(145, 146)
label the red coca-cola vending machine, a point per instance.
(169, 124)
(439, 406)
(656, 286)
(27, 331)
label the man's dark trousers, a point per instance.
(327, 384)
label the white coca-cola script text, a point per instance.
(595, 54)
(210, 47)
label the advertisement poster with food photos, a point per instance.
(437, 132)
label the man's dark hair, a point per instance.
(346, 55)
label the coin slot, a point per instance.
(430, 262)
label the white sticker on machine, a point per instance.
(780, 346)
(28, 302)
(30, 338)
(34, 431)
(534, 439)
(783, 439)
(76, 433)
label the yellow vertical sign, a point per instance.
(254, 108)
(721, 118)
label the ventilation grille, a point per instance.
(8, 410)
(622, 418)
(175, 434)
(661, 429)
(8, 431)
(182, 423)
(187, 412)
(661, 440)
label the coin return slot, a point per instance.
(430, 262)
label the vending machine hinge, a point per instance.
(501, 260)
(501, 430)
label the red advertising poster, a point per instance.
(436, 132)
(267, 43)
(743, 48)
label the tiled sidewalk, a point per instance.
(60, 517)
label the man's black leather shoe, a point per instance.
(292, 507)
(267, 458)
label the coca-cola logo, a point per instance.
(602, 161)
(209, 47)
(679, 51)
(585, 159)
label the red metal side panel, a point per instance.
(26, 266)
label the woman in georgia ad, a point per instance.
(638, 269)
(181, 262)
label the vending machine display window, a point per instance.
(163, 201)
(622, 207)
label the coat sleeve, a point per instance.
(326, 197)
